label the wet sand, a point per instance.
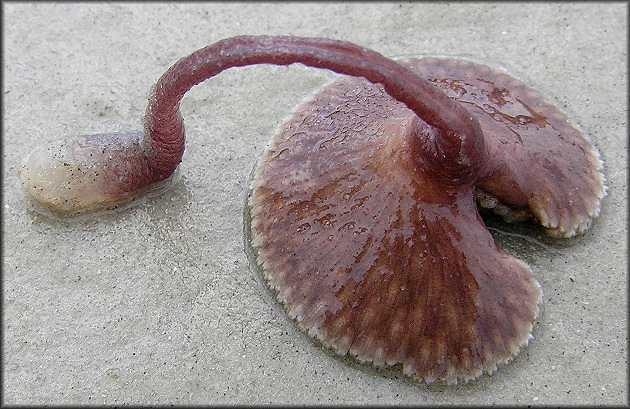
(156, 304)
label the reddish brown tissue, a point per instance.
(364, 205)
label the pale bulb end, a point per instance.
(87, 173)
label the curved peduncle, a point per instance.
(461, 137)
(86, 173)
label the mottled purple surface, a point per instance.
(375, 255)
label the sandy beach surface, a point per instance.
(156, 304)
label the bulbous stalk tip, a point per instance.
(86, 173)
